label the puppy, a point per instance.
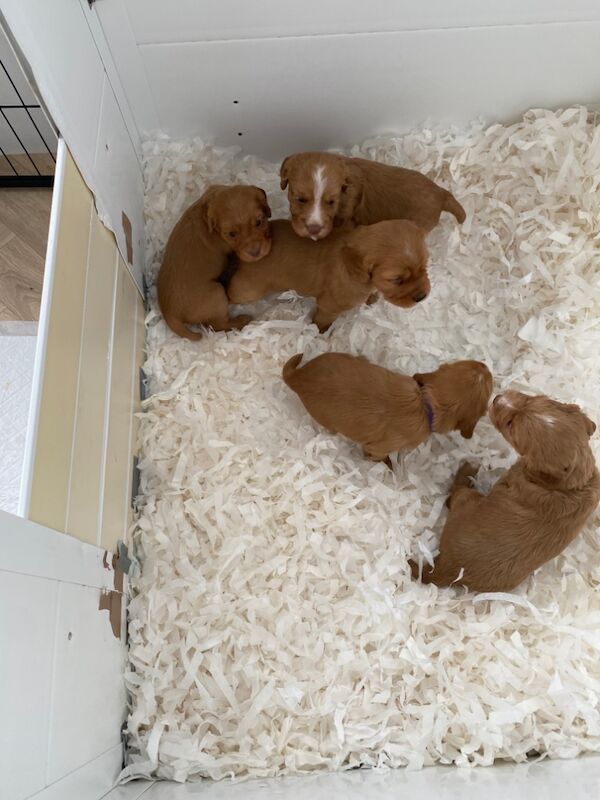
(325, 190)
(225, 220)
(385, 411)
(341, 272)
(492, 543)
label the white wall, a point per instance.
(319, 74)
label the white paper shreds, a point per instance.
(274, 627)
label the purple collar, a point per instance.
(428, 410)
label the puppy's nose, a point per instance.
(419, 296)
(314, 230)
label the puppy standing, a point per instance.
(226, 219)
(325, 189)
(341, 272)
(385, 411)
(492, 543)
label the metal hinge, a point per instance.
(135, 483)
(143, 385)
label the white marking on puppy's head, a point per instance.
(547, 419)
(315, 218)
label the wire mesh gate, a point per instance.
(26, 168)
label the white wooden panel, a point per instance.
(61, 697)
(133, 790)
(116, 30)
(34, 550)
(190, 20)
(577, 779)
(89, 782)
(116, 164)
(104, 52)
(306, 93)
(88, 697)
(27, 614)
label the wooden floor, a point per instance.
(24, 219)
(27, 165)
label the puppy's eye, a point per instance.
(232, 234)
(399, 281)
(330, 203)
(509, 423)
(301, 200)
(259, 222)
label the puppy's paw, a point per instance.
(414, 569)
(239, 322)
(465, 472)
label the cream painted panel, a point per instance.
(123, 389)
(88, 440)
(139, 358)
(82, 462)
(52, 451)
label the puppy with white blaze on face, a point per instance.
(326, 190)
(492, 543)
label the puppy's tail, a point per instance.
(181, 329)
(454, 207)
(290, 367)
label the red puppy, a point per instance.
(341, 272)
(383, 410)
(325, 189)
(492, 543)
(226, 219)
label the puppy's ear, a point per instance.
(423, 378)
(266, 208)
(357, 266)
(284, 172)
(206, 209)
(466, 429)
(351, 187)
(589, 425)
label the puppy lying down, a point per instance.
(327, 190)
(492, 543)
(341, 272)
(383, 410)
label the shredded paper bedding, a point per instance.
(274, 628)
